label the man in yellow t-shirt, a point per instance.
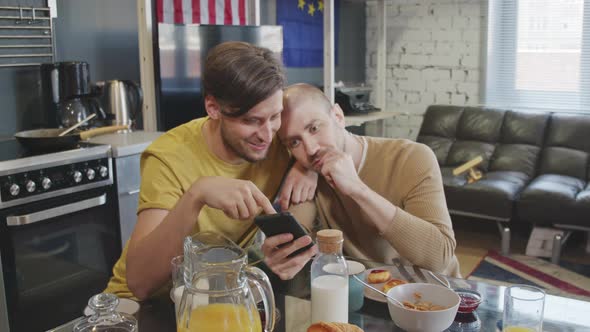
(211, 174)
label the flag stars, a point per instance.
(321, 6)
(301, 4)
(311, 9)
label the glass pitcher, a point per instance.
(221, 291)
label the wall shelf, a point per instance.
(26, 36)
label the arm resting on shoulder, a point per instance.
(422, 231)
(298, 186)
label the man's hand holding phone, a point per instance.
(287, 247)
(277, 249)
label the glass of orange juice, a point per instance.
(523, 309)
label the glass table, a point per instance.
(292, 297)
(561, 313)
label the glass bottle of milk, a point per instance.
(329, 279)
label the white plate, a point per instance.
(395, 274)
(125, 305)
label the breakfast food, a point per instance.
(422, 305)
(378, 276)
(470, 300)
(333, 327)
(392, 283)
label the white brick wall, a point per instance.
(434, 57)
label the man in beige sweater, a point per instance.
(386, 195)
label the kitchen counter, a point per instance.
(125, 144)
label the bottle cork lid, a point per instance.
(330, 241)
(330, 236)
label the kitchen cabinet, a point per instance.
(127, 182)
(126, 150)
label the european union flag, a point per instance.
(303, 32)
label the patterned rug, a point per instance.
(567, 279)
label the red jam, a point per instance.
(378, 271)
(469, 302)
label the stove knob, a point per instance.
(90, 174)
(46, 183)
(14, 189)
(31, 186)
(77, 176)
(103, 171)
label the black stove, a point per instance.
(29, 175)
(59, 232)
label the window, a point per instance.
(538, 54)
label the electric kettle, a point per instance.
(121, 101)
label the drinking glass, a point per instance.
(523, 309)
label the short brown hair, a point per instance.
(240, 75)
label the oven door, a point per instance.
(56, 254)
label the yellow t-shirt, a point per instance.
(172, 163)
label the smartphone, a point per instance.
(280, 223)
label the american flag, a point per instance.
(224, 12)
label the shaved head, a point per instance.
(310, 124)
(296, 94)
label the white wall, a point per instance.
(434, 56)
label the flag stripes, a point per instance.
(222, 12)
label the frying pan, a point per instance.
(48, 139)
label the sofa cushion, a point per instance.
(550, 199)
(567, 147)
(569, 131)
(492, 196)
(582, 205)
(450, 180)
(564, 161)
(520, 143)
(439, 145)
(480, 124)
(463, 151)
(516, 157)
(441, 120)
(524, 128)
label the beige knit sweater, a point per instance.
(407, 174)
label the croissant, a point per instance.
(333, 327)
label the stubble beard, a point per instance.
(237, 149)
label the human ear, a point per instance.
(338, 115)
(212, 107)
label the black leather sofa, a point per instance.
(536, 165)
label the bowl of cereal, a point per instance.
(427, 307)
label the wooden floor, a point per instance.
(476, 237)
